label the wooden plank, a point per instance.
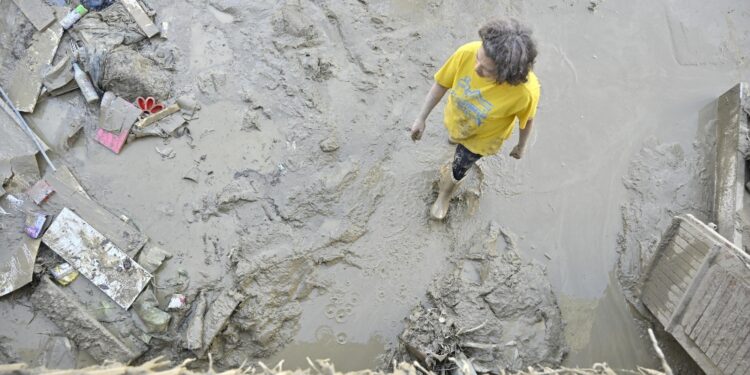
(80, 327)
(140, 17)
(691, 256)
(96, 258)
(681, 279)
(700, 299)
(691, 248)
(662, 293)
(656, 308)
(675, 293)
(26, 83)
(710, 297)
(37, 11)
(741, 360)
(686, 259)
(675, 257)
(710, 318)
(726, 326)
(742, 331)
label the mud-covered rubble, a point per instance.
(497, 311)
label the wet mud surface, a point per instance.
(308, 204)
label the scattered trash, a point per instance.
(80, 327)
(192, 175)
(35, 224)
(152, 257)
(96, 258)
(146, 306)
(64, 273)
(116, 113)
(37, 11)
(141, 18)
(164, 31)
(84, 83)
(177, 302)
(40, 191)
(113, 141)
(166, 152)
(69, 193)
(148, 105)
(150, 119)
(73, 16)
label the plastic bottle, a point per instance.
(84, 83)
(73, 16)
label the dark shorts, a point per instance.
(462, 161)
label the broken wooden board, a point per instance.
(174, 108)
(218, 314)
(26, 82)
(96, 258)
(125, 236)
(37, 11)
(117, 113)
(141, 18)
(19, 251)
(80, 327)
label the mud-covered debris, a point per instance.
(116, 113)
(80, 327)
(193, 174)
(59, 75)
(147, 308)
(329, 144)
(37, 11)
(96, 258)
(129, 74)
(64, 273)
(152, 257)
(40, 191)
(218, 314)
(35, 224)
(19, 254)
(193, 339)
(158, 116)
(141, 18)
(166, 152)
(113, 140)
(69, 193)
(499, 312)
(177, 302)
(188, 104)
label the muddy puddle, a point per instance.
(308, 198)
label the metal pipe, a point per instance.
(27, 129)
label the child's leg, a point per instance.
(462, 161)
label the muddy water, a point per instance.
(276, 80)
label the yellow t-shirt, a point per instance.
(480, 112)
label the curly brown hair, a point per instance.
(510, 46)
